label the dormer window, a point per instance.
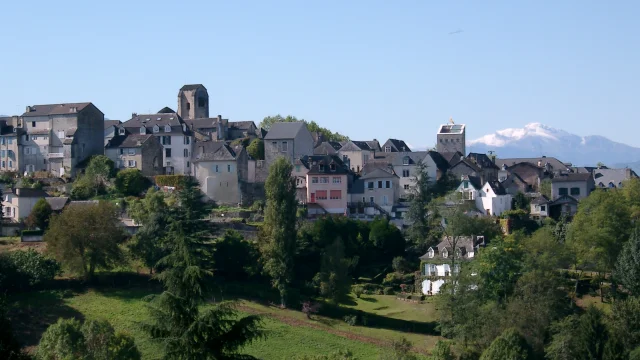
(387, 149)
(458, 253)
(167, 128)
(431, 253)
(445, 253)
(143, 130)
(321, 167)
(405, 160)
(156, 128)
(332, 167)
(121, 131)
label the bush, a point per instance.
(40, 214)
(21, 269)
(357, 290)
(32, 232)
(388, 291)
(130, 182)
(352, 320)
(400, 264)
(83, 188)
(171, 180)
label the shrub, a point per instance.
(388, 291)
(31, 232)
(130, 182)
(357, 290)
(21, 269)
(171, 180)
(400, 264)
(40, 214)
(352, 320)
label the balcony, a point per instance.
(55, 155)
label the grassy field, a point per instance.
(289, 332)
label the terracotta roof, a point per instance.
(55, 109)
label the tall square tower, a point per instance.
(452, 138)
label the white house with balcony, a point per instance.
(436, 264)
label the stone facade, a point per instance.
(142, 152)
(10, 148)
(451, 138)
(221, 171)
(193, 102)
(289, 140)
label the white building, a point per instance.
(490, 199)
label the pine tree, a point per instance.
(419, 198)
(278, 236)
(186, 331)
(334, 279)
(627, 270)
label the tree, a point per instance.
(95, 339)
(334, 280)
(153, 203)
(178, 321)
(400, 350)
(419, 198)
(148, 245)
(86, 237)
(256, 149)
(510, 345)
(627, 270)
(442, 351)
(635, 354)
(40, 214)
(32, 267)
(312, 126)
(234, 258)
(625, 322)
(564, 344)
(499, 267)
(98, 172)
(278, 234)
(130, 182)
(10, 348)
(521, 202)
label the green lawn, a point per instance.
(289, 332)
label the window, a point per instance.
(132, 151)
(202, 102)
(167, 152)
(370, 185)
(575, 191)
(3, 153)
(335, 194)
(10, 141)
(121, 151)
(379, 184)
(3, 164)
(10, 164)
(285, 146)
(27, 150)
(385, 200)
(405, 160)
(186, 140)
(167, 128)
(2, 141)
(26, 137)
(563, 191)
(297, 168)
(324, 180)
(33, 124)
(274, 146)
(185, 152)
(406, 186)
(321, 167)
(132, 163)
(405, 173)
(365, 158)
(387, 149)
(332, 167)
(371, 199)
(156, 128)
(143, 130)
(321, 194)
(465, 184)
(228, 168)
(188, 164)
(337, 180)
(387, 184)
(543, 208)
(166, 140)
(188, 106)
(314, 180)
(121, 131)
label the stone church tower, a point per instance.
(193, 102)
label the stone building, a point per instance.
(222, 171)
(193, 102)
(175, 137)
(60, 136)
(136, 151)
(10, 148)
(451, 138)
(291, 140)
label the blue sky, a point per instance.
(369, 69)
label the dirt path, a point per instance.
(296, 322)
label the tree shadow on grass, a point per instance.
(381, 308)
(32, 313)
(368, 299)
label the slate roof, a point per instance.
(615, 176)
(540, 200)
(314, 163)
(29, 192)
(55, 109)
(284, 130)
(564, 199)
(216, 151)
(327, 148)
(475, 182)
(497, 188)
(466, 244)
(556, 164)
(57, 203)
(166, 110)
(397, 145)
(204, 123)
(242, 125)
(190, 87)
(466, 162)
(150, 120)
(373, 171)
(8, 130)
(483, 161)
(131, 140)
(108, 123)
(571, 177)
(262, 133)
(452, 157)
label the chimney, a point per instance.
(29, 109)
(539, 163)
(219, 117)
(134, 115)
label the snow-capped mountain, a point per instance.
(536, 140)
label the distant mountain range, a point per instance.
(535, 140)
